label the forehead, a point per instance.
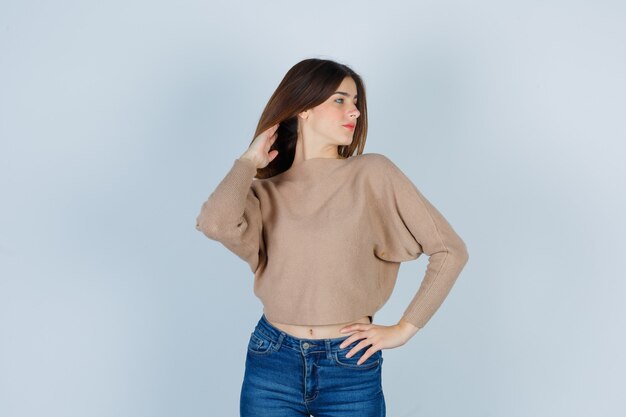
(348, 85)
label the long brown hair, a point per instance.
(307, 84)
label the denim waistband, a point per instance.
(280, 338)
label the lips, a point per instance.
(349, 126)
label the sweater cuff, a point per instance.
(415, 319)
(247, 163)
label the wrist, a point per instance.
(407, 327)
(251, 159)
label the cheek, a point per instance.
(331, 115)
(327, 118)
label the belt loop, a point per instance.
(279, 342)
(328, 349)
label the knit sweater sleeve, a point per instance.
(232, 214)
(416, 226)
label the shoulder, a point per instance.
(371, 159)
(386, 176)
(376, 164)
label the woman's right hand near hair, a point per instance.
(259, 150)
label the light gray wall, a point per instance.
(118, 118)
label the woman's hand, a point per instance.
(259, 150)
(380, 337)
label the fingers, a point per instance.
(271, 133)
(356, 326)
(272, 130)
(353, 337)
(368, 340)
(271, 141)
(369, 352)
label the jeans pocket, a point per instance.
(259, 344)
(372, 362)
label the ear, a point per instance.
(304, 114)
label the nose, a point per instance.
(354, 112)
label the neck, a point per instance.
(304, 152)
(313, 169)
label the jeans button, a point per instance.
(305, 345)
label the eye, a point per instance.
(355, 102)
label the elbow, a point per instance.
(463, 253)
(220, 229)
(208, 222)
(465, 256)
(458, 249)
(209, 228)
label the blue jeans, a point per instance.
(286, 376)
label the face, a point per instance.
(328, 123)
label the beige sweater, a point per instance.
(325, 238)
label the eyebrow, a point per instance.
(345, 94)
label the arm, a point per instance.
(422, 228)
(232, 214)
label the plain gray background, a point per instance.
(117, 119)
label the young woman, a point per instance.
(324, 228)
